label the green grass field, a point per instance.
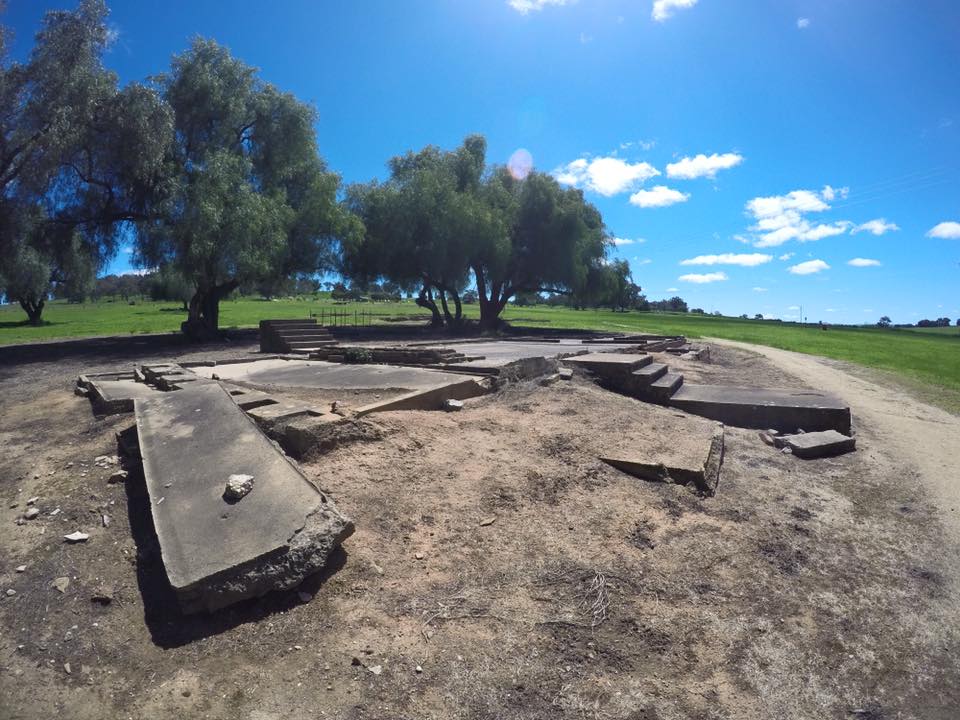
(931, 358)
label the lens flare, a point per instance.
(520, 163)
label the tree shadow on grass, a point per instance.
(168, 626)
(25, 323)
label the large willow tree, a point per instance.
(249, 197)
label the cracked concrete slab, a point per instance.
(215, 553)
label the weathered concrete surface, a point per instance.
(319, 374)
(610, 366)
(316, 435)
(215, 554)
(498, 353)
(818, 444)
(784, 410)
(430, 399)
(692, 456)
(113, 396)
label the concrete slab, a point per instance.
(111, 397)
(215, 554)
(818, 444)
(785, 410)
(693, 457)
(322, 375)
(610, 365)
(430, 399)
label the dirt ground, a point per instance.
(498, 570)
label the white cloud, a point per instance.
(781, 218)
(703, 165)
(140, 271)
(793, 307)
(803, 23)
(786, 256)
(618, 241)
(744, 259)
(879, 226)
(663, 9)
(948, 230)
(863, 262)
(672, 290)
(605, 175)
(809, 267)
(831, 309)
(642, 261)
(759, 289)
(525, 6)
(703, 278)
(659, 196)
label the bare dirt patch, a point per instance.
(497, 554)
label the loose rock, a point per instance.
(118, 477)
(238, 486)
(61, 583)
(76, 537)
(31, 513)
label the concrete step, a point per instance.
(782, 410)
(294, 322)
(649, 373)
(609, 366)
(310, 343)
(662, 389)
(296, 331)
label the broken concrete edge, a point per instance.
(711, 467)
(826, 443)
(431, 398)
(307, 552)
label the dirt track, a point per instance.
(921, 435)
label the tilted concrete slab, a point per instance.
(692, 457)
(217, 553)
(784, 410)
(430, 399)
(818, 444)
(111, 396)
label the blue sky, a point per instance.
(747, 150)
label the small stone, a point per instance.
(118, 477)
(11, 592)
(375, 669)
(304, 596)
(61, 583)
(565, 373)
(418, 556)
(32, 500)
(488, 521)
(418, 669)
(102, 596)
(76, 537)
(13, 505)
(105, 519)
(298, 647)
(238, 486)
(21, 568)
(452, 405)
(55, 512)
(31, 513)
(186, 693)
(66, 668)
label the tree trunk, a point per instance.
(203, 312)
(458, 307)
(33, 309)
(447, 317)
(425, 300)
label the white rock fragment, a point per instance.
(76, 537)
(238, 486)
(31, 513)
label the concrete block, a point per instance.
(818, 444)
(609, 365)
(430, 399)
(788, 410)
(215, 553)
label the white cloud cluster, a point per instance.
(618, 241)
(700, 279)
(525, 6)
(663, 9)
(880, 226)
(743, 259)
(605, 175)
(809, 267)
(948, 230)
(658, 196)
(803, 23)
(863, 262)
(781, 218)
(759, 289)
(702, 165)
